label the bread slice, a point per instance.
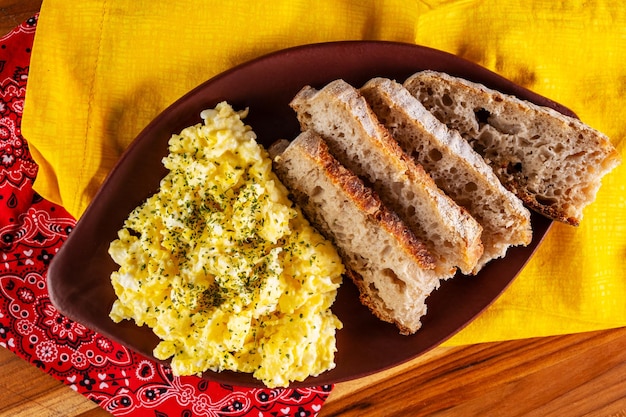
(357, 139)
(456, 168)
(390, 266)
(554, 163)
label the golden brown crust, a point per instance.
(453, 164)
(517, 187)
(367, 299)
(391, 267)
(368, 201)
(355, 136)
(537, 153)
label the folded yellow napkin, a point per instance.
(102, 70)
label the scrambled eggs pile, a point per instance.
(223, 267)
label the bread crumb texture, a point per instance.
(553, 163)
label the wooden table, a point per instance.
(565, 376)
(571, 375)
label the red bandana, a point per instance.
(31, 232)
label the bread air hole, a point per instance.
(393, 278)
(471, 186)
(317, 190)
(482, 116)
(434, 155)
(545, 201)
(514, 168)
(397, 187)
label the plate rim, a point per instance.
(56, 298)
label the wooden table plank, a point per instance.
(27, 391)
(571, 375)
(14, 12)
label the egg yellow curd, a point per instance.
(223, 266)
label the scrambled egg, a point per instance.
(223, 267)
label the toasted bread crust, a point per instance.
(454, 165)
(552, 162)
(368, 300)
(366, 199)
(340, 114)
(391, 267)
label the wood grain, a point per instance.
(571, 375)
(14, 12)
(27, 391)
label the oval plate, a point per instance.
(78, 279)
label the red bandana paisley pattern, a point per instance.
(31, 231)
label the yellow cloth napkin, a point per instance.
(102, 70)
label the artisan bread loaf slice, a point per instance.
(554, 163)
(456, 168)
(356, 138)
(391, 268)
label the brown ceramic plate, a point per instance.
(78, 278)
